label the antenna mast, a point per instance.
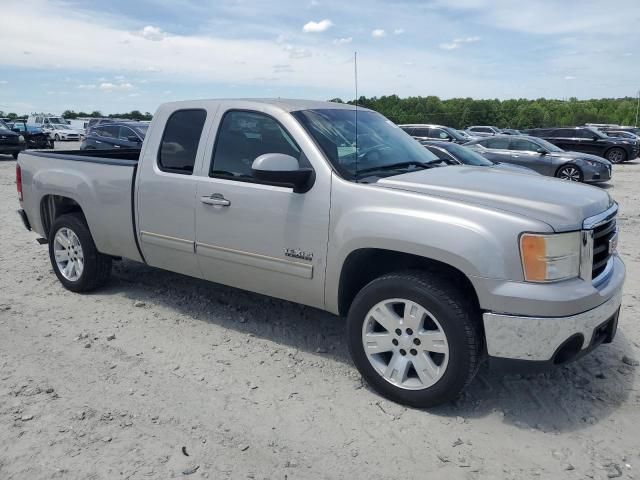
(355, 70)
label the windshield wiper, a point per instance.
(399, 165)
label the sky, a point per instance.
(119, 55)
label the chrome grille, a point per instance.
(602, 236)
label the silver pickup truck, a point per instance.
(436, 268)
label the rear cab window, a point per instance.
(496, 143)
(180, 140)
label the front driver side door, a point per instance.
(255, 235)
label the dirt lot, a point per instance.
(126, 381)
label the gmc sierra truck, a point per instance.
(435, 268)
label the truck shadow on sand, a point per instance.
(569, 398)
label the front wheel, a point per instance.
(570, 173)
(74, 257)
(414, 338)
(56, 137)
(616, 155)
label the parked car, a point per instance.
(115, 135)
(604, 127)
(466, 135)
(589, 140)
(43, 120)
(622, 134)
(483, 130)
(434, 268)
(544, 157)
(510, 131)
(58, 132)
(454, 154)
(433, 133)
(33, 135)
(11, 143)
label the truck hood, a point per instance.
(562, 205)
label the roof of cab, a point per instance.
(289, 105)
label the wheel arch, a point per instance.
(54, 206)
(364, 265)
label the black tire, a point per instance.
(570, 172)
(56, 137)
(457, 316)
(15, 155)
(616, 155)
(97, 267)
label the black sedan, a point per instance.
(11, 143)
(453, 154)
(543, 157)
(115, 135)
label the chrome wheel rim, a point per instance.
(615, 156)
(405, 344)
(570, 173)
(68, 254)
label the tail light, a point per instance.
(19, 181)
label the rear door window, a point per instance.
(439, 134)
(497, 143)
(180, 140)
(420, 132)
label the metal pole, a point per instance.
(637, 108)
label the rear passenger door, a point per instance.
(127, 138)
(166, 191)
(496, 149)
(525, 152)
(105, 137)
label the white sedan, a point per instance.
(61, 132)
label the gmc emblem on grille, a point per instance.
(613, 244)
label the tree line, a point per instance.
(72, 115)
(515, 113)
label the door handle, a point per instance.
(216, 199)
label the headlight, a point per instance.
(593, 163)
(20, 138)
(550, 258)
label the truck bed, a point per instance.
(100, 182)
(126, 157)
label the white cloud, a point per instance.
(313, 3)
(167, 92)
(152, 33)
(296, 52)
(282, 68)
(398, 31)
(569, 77)
(378, 33)
(316, 27)
(342, 41)
(3, 82)
(457, 42)
(111, 87)
(133, 95)
(89, 86)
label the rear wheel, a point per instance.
(74, 257)
(15, 155)
(616, 155)
(570, 173)
(414, 338)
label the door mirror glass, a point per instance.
(542, 151)
(284, 169)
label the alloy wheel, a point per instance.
(571, 174)
(405, 344)
(68, 253)
(615, 156)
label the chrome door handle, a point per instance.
(216, 199)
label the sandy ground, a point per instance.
(163, 376)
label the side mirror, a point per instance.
(16, 129)
(283, 169)
(596, 138)
(133, 139)
(542, 151)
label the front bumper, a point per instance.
(10, 149)
(601, 173)
(541, 339)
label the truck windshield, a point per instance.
(381, 146)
